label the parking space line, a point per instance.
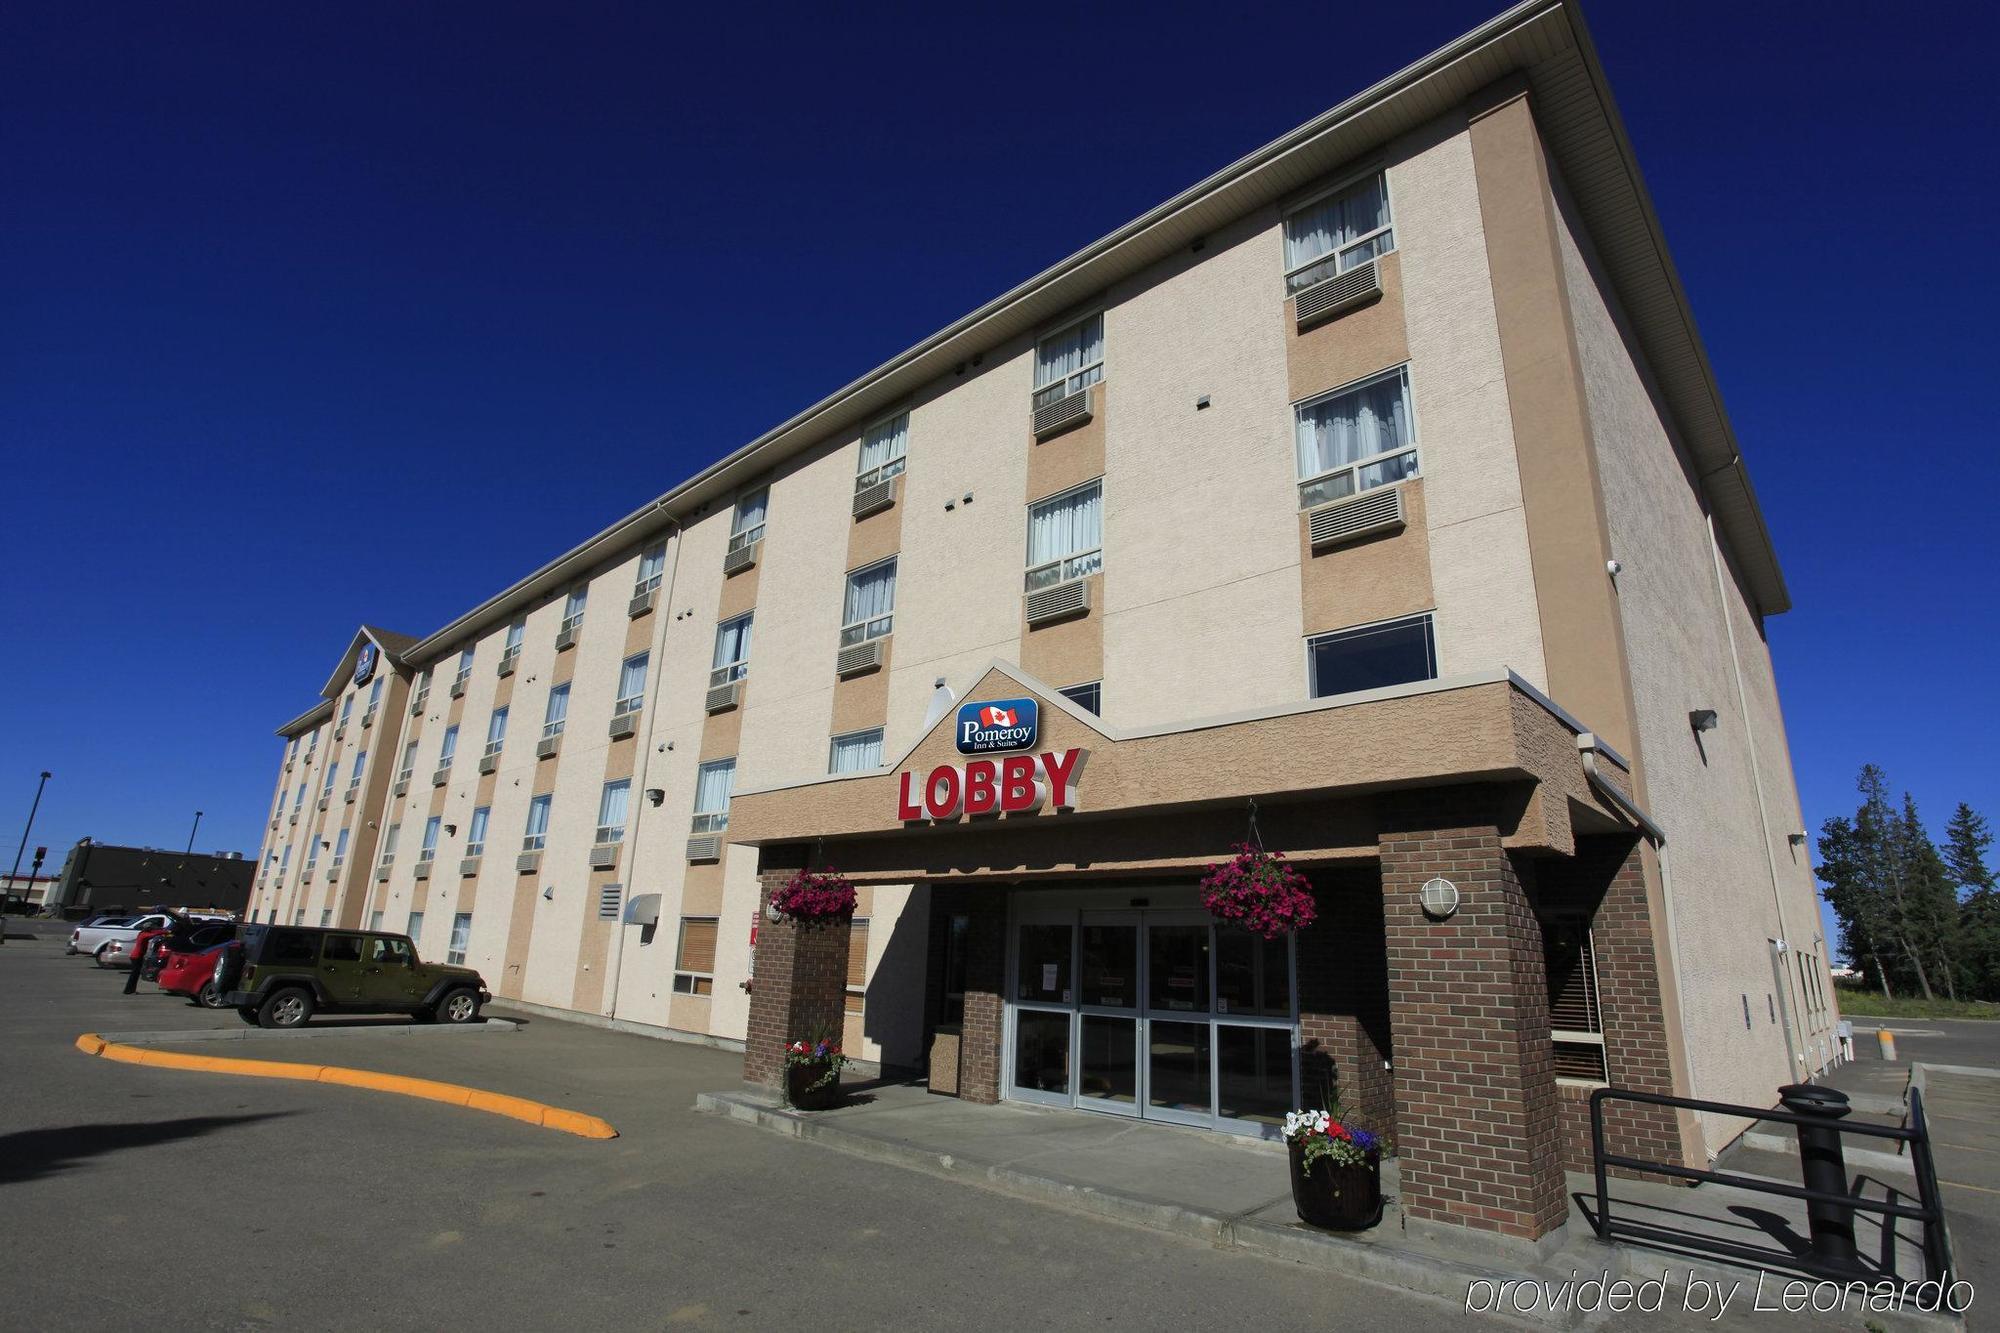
(452, 1094)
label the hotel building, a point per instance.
(1372, 500)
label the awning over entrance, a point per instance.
(1102, 791)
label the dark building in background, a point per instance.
(98, 877)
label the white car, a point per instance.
(108, 937)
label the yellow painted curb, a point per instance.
(474, 1099)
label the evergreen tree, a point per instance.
(1932, 906)
(1966, 839)
(1886, 884)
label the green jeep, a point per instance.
(283, 975)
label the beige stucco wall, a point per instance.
(1702, 792)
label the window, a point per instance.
(631, 684)
(496, 731)
(346, 708)
(299, 919)
(332, 772)
(871, 603)
(299, 797)
(1068, 361)
(712, 786)
(312, 852)
(732, 651)
(747, 527)
(285, 861)
(326, 919)
(857, 964)
(1368, 657)
(557, 713)
(312, 745)
(449, 749)
(512, 647)
(423, 691)
(461, 937)
(537, 835)
(572, 619)
(340, 847)
(375, 694)
(951, 1006)
(360, 763)
(475, 838)
(882, 450)
(694, 957)
(464, 670)
(1090, 698)
(339, 948)
(391, 951)
(611, 808)
(1355, 439)
(1574, 1019)
(1336, 232)
(429, 850)
(282, 793)
(856, 752)
(1066, 536)
(389, 836)
(415, 928)
(409, 763)
(652, 566)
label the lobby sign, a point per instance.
(991, 726)
(1014, 785)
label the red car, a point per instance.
(192, 973)
(150, 947)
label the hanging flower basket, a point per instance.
(814, 898)
(1259, 892)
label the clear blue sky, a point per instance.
(262, 261)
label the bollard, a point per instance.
(1886, 1040)
(1825, 1170)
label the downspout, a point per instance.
(655, 673)
(1781, 945)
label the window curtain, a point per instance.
(450, 746)
(712, 787)
(477, 837)
(632, 679)
(496, 727)
(431, 833)
(884, 444)
(858, 752)
(514, 633)
(389, 836)
(871, 593)
(573, 606)
(611, 806)
(409, 756)
(1066, 525)
(558, 705)
(538, 816)
(732, 641)
(1061, 356)
(652, 564)
(1324, 227)
(1372, 419)
(461, 933)
(750, 511)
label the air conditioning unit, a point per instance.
(859, 658)
(458, 689)
(442, 776)
(422, 869)
(340, 731)
(333, 868)
(368, 719)
(468, 867)
(1357, 516)
(349, 798)
(402, 786)
(488, 762)
(1059, 602)
(641, 603)
(624, 724)
(382, 873)
(1072, 409)
(307, 876)
(288, 765)
(417, 704)
(320, 804)
(507, 661)
(604, 856)
(874, 497)
(527, 863)
(707, 847)
(565, 638)
(547, 747)
(1337, 295)
(294, 819)
(721, 698)
(740, 558)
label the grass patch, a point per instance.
(1857, 1003)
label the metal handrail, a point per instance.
(1930, 1209)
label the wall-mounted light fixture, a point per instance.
(656, 794)
(549, 892)
(1796, 839)
(1702, 719)
(451, 830)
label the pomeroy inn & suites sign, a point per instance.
(1013, 784)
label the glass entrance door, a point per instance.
(1160, 1014)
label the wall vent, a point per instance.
(1346, 520)
(1072, 409)
(1337, 295)
(609, 899)
(1059, 602)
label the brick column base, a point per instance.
(985, 989)
(1344, 1002)
(1476, 1112)
(800, 986)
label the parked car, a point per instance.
(95, 923)
(109, 943)
(187, 934)
(192, 972)
(289, 973)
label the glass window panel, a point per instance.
(884, 445)
(856, 752)
(1090, 698)
(871, 598)
(1041, 1051)
(496, 727)
(1252, 974)
(1357, 423)
(431, 826)
(1066, 524)
(1110, 1059)
(1110, 966)
(1044, 962)
(1330, 224)
(1372, 656)
(1177, 1066)
(1254, 1073)
(612, 805)
(1060, 356)
(632, 680)
(750, 512)
(713, 785)
(1177, 968)
(476, 838)
(732, 642)
(558, 709)
(538, 816)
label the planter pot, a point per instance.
(799, 1089)
(1339, 1198)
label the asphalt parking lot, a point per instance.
(165, 1199)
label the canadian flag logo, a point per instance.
(990, 716)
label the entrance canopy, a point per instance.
(1070, 795)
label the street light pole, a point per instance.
(14, 875)
(191, 832)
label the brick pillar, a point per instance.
(1344, 1001)
(1605, 884)
(985, 991)
(800, 985)
(1476, 1110)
